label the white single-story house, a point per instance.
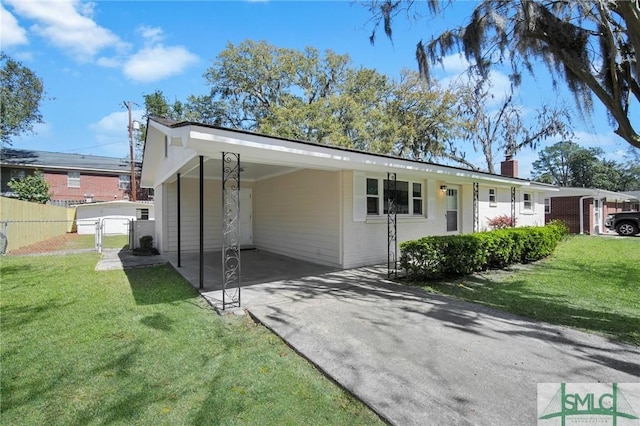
(319, 203)
(114, 216)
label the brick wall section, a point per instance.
(509, 168)
(567, 209)
(103, 188)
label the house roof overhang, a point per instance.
(196, 139)
(593, 193)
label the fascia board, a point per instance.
(293, 155)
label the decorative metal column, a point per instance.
(513, 206)
(179, 224)
(392, 227)
(230, 230)
(201, 222)
(476, 214)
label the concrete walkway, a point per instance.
(422, 359)
(113, 259)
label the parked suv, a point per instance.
(624, 223)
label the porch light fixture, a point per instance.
(443, 188)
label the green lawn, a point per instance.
(84, 347)
(592, 283)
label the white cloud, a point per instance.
(155, 63)
(455, 64)
(68, 24)
(112, 131)
(151, 34)
(11, 33)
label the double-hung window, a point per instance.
(527, 201)
(409, 197)
(373, 199)
(547, 205)
(125, 181)
(417, 198)
(493, 202)
(73, 180)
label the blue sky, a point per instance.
(92, 56)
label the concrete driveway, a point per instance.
(417, 358)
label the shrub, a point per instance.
(146, 242)
(452, 255)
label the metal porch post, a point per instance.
(230, 230)
(476, 213)
(201, 222)
(513, 206)
(179, 224)
(392, 227)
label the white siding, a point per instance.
(365, 242)
(190, 215)
(161, 223)
(298, 215)
(486, 212)
(535, 217)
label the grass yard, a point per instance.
(592, 283)
(140, 347)
(72, 241)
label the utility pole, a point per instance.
(133, 163)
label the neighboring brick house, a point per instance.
(72, 178)
(584, 209)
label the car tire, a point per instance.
(627, 229)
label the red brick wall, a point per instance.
(567, 209)
(103, 188)
(509, 168)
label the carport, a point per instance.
(231, 195)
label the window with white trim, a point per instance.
(417, 198)
(547, 205)
(373, 199)
(409, 197)
(73, 180)
(493, 200)
(142, 214)
(125, 182)
(527, 201)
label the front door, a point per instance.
(452, 210)
(246, 217)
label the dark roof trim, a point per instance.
(62, 161)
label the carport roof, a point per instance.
(593, 192)
(203, 137)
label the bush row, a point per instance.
(443, 256)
